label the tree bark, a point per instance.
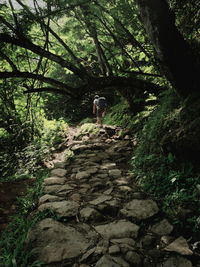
(175, 56)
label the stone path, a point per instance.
(103, 218)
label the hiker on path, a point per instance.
(99, 108)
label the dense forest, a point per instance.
(142, 55)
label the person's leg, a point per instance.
(100, 117)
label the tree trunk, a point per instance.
(175, 56)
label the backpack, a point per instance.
(101, 103)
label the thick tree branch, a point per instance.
(25, 43)
(47, 89)
(18, 74)
(48, 28)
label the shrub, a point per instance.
(160, 170)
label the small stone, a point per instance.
(121, 181)
(108, 166)
(115, 173)
(83, 190)
(108, 261)
(100, 200)
(128, 241)
(177, 262)
(120, 261)
(87, 254)
(148, 241)
(114, 203)
(92, 170)
(58, 172)
(83, 174)
(108, 191)
(65, 188)
(51, 189)
(54, 181)
(48, 198)
(125, 188)
(59, 165)
(134, 258)
(162, 228)
(125, 248)
(180, 246)
(89, 214)
(113, 249)
(75, 197)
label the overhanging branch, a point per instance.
(17, 74)
(27, 44)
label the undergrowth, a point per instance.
(120, 115)
(163, 173)
(13, 248)
(22, 162)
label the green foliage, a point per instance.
(13, 248)
(159, 168)
(89, 128)
(24, 162)
(120, 115)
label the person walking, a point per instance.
(99, 108)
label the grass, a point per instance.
(13, 248)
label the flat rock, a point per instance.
(118, 229)
(92, 170)
(106, 261)
(180, 246)
(177, 262)
(121, 181)
(128, 241)
(75, 197)
(51, 189)
(89, 214)
(108, 166)
(108, 191)
(114, 203)
(100, 199)
(114, 249)
(109, 261)
(59, 164)
(140, 209)
(58, 172)
(134, 258)
(114, 173)
(162, 228)
(49, 198)
(61, 208)
(54, 189)
(82, 175)
(65, 188)
(54, 242)
(54, 180)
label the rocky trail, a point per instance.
(101, 217)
